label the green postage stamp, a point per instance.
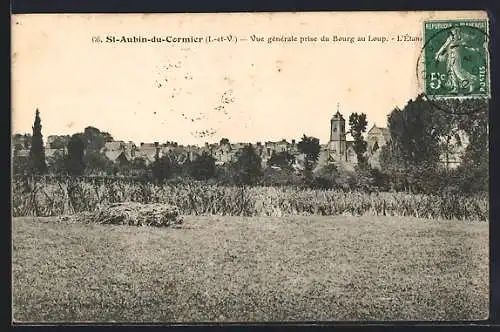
(456, 59)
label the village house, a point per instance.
(147, 152)
(377, 137)
(338, 150)
(119, 152)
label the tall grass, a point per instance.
(60, 196)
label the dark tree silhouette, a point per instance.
(60, 141)
(76, 149)
(412, 159)
(20, 165)
(310, 147)
(357, 124)
(57, 164)
(94, 141)
(248, 167)
(282, 159)
(473, 173)
(162, 168)
(37, 162)
(203, 167)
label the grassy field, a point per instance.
(251, 269)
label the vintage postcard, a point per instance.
(250, 167)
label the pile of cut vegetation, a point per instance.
(131, 213)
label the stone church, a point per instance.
(339, 150)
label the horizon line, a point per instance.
(216, 142)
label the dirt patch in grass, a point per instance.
(251, 269)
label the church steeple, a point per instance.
(337, 144)
(338, 115)
(337, 126)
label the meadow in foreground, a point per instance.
(251, 269)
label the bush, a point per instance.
(280, 177)
(247, 170)
(320, 182)
(203, 168)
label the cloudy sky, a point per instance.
(197, 92)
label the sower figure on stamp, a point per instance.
(450, 51)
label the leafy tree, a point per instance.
(162, 169)
(310, 147)
(416, 134)
(107, 137)
(282, 177)
(97, 162)
(203, 167)
(224, 174)
(392, 163)
(37, 152)
(248, 167)
(224, 141)
(357, 123)
(475, 124)
(379, 179)
(138, 163)
(20, 164)
(57, 164)
(448, 119)
(94, 142)
(329, 171)
(76, 149)
(423, 134)
(60, 141)
(326, 177)
(95, 139)
(471, 117)
(281, 159)
(138, 166)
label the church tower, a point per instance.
(337, 144)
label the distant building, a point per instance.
(338, 148)
(337, 143)
(377, 137)
(21, 142)
(148, 152)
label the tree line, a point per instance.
(423, 135)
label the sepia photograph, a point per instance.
(250, 167)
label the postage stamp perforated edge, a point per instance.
(423, 61)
